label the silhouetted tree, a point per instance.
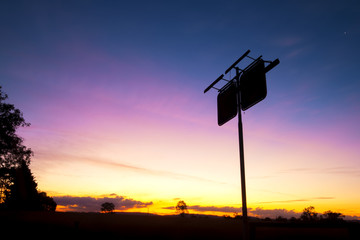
(107, 207)
(332, 216)
(47, 203)
(22, 194)
(12, 151)
(18, 188)
(309, 214)
(181, 208)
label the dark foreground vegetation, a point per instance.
(135, 226)
(18, 188)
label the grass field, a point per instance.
(131, 226)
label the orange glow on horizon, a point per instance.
(271, 210)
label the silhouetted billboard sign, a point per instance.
(227, 104)
(253, 85)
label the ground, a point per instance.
(135, 226)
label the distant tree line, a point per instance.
(308, 215)
(18, 188)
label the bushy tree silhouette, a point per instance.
(332, 216)
(47, 203)
(12, 151)
(18, 188)
(309, 214)
(107, 207)
(23, 193)
(181, 208)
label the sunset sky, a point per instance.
(114, 94)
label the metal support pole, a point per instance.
(242, 165)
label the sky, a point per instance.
(114, 94)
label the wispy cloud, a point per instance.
(118, 164)
(298, 200)
(285, 201)
(295, 52)
(161, 173)
(311, 171)
(92, 204)
(330, 170)
(288, 41)
(226, 209)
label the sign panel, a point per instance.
(253, 85)
(227, 104)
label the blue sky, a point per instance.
(315, 40)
